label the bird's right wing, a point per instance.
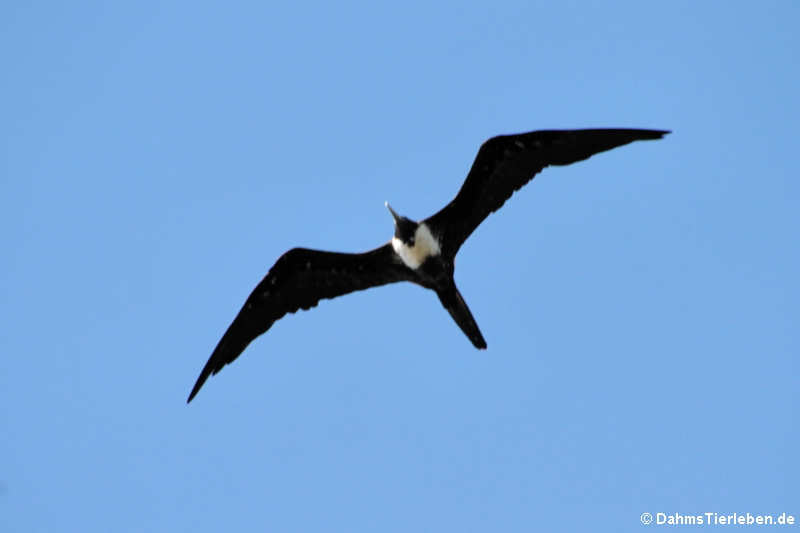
(507, 162)
(299, 280)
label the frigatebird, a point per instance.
(420, 252)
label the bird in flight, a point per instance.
(420, 252)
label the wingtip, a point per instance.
(649, 135)
(198, 384)
(645, 134)
(191, 396)
(477, 340)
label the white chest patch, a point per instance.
(425, 245)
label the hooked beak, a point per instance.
(394, 215)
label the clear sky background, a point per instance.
(641, 308)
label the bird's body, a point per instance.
(425, 245)
(420, 252)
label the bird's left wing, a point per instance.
(507, 162)
(299, 280)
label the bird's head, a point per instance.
(405, 229)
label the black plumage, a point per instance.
(299, 280)
(421, 252)
(506, 163)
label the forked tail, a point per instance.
(454, 303)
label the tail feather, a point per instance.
(454, 303)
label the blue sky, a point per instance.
(640, 308)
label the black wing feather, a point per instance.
(507, 162)
(299, 280)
